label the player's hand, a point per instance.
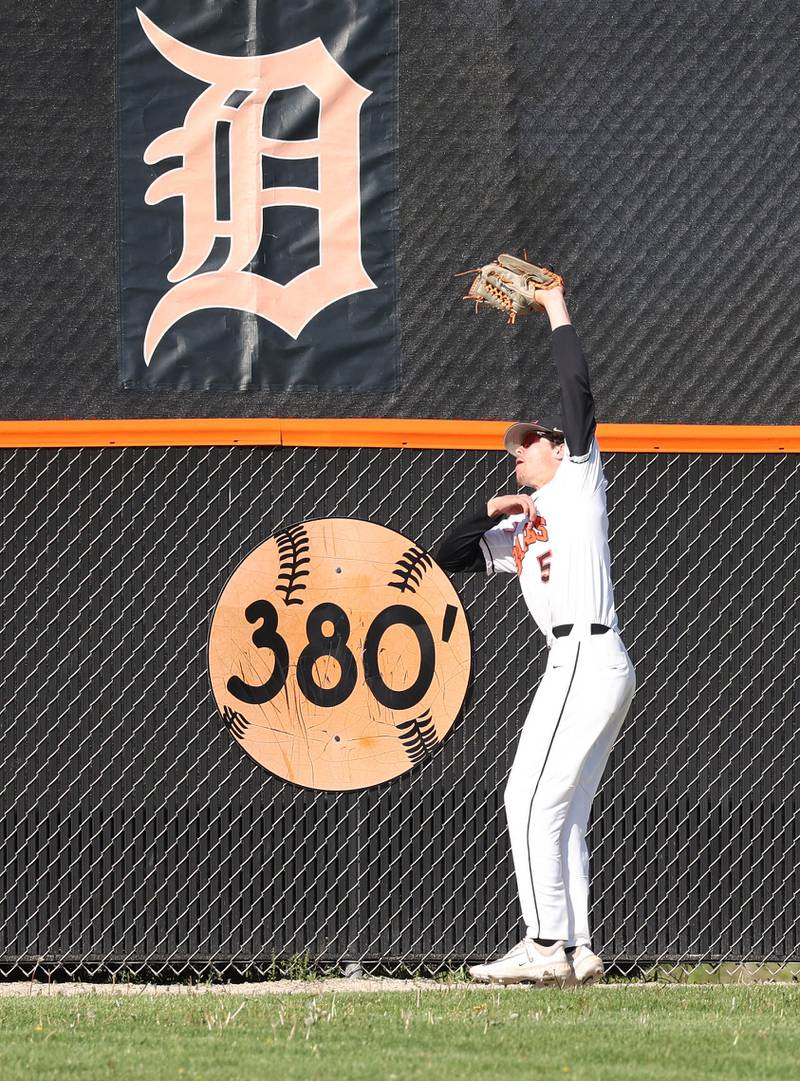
(554, 295)
(500, 506)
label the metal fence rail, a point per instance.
(135, 833)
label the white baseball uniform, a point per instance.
(563, 563)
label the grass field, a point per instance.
(620, 1032)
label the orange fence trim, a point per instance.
(362, 432)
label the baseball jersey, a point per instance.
(562, 556)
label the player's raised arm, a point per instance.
(517, 287)
(577, 403)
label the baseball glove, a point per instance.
(509, 284)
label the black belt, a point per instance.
(564, 628)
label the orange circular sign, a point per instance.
(339, 654)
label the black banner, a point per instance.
(257, 158)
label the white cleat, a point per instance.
(586, 967)
(527, 962)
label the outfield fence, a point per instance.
(137, 835)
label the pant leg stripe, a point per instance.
(536, 789)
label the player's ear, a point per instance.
(559, 450)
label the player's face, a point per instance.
(537, 460)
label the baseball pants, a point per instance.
(574, 719)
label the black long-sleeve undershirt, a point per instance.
(460, 550)
(577, 403)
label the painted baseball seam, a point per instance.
(292, 548)
(409, 569)
(419, 737)
(235, 722)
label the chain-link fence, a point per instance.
(136, 833)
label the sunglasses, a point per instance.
(531, 438)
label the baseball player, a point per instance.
(556, 542)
